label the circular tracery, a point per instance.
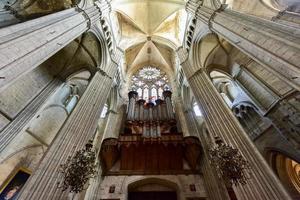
(149, 82)
(149, 73)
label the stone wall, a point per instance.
(182, 182)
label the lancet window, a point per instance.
(150, 82)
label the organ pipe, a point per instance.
(150, 116)
(132, 95)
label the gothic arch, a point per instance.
(105, 55)
(287, 170)
(208, 51)
(134, 184)
(83, 53)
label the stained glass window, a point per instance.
(150, 82)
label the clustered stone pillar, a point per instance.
(77, 130)
(180, 112)
(111, 130)
(215, 188)
(42, 39)
(132, 95)
(221, 122)
(275, 46)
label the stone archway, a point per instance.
(287, 170)
(153, 189)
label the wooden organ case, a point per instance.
(150, 142)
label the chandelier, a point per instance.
(230, 164)
(78, 169)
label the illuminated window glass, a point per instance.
(140, 92)
(150, 78)
(153, 94)
(146, 94)
(197, 110)
(160, 91)
(104, 111)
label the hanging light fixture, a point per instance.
(78, 169)
(230, 164)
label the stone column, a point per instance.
(262, 96)
(111, 130)
(77, 130)
(180, 112)
(113, 124)
(275, 46)
(214, 187)
(26, 45)
(220, 121)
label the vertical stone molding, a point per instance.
(77, 130)
(26, 45)
(220, 121)
(263, 96)
(215, 188)
(180, 112)
(275, 46)
(113, 124)
(12, 129)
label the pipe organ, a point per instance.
(150, 142)
(149, 118)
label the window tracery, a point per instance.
(150, 82)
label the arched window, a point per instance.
(146, 94)
(197, 110)
(104, 111)
(160, 91)
(153, 93)
(140, 92)
(150, 82)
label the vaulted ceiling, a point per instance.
(149, 31)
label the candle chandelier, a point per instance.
(78, 169)
(230, 164)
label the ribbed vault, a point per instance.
(149, 31)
